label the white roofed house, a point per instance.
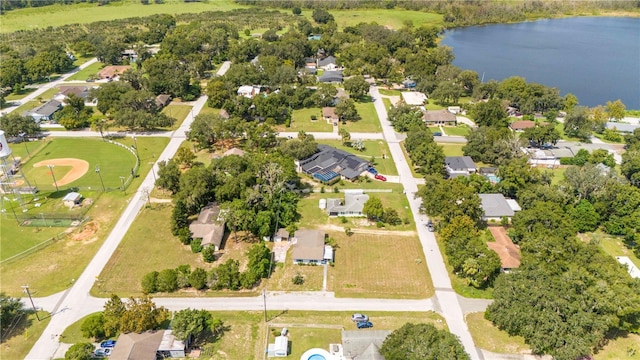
(413, 98)
(249, 91)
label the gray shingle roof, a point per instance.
(48, 108)
(357, 344)
(330, 76)
(331, 159)
(353, 203)
(459, 163)
(495, 206)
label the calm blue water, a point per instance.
(595, 58)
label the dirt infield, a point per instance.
(78, 168)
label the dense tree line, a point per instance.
(14, 124)
(424, 152)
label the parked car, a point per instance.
(430, 226)
(437, 133)
(380, 177)
(108, 344)
(364, 324)
(102, 352)
(359, 317)
(373, 171)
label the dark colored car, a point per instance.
(102, 352)
(373, 171)
(437, 133)
(364, 324)
(430, 226)
(108, 344)
(380, 177)
(359, 317)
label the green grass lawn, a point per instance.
(612, 245)
(387, 103)
(89, 71)
(19, 345)
(178, 112)
(73, 334)
(369, 121)
(488, 337)
(55, 267)
(58, 15)
(13, 96)
(373, 148)
(283, 273)
(460, 130)
(301, 120)
(113, 161)
(623, 346)
(29, 105)
(452, 149)
(557, 174)
(390, 92)
(394, 18)
(358, 271)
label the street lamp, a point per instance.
(100, 175)
(26, 290)
(122, 182)
(53, 176)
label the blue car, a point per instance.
(108, 344)
(364, 324)
(373, 171)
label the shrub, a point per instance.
(196, 245)
(79, 351)
(198, 279)
(336, 190)
(184, 234)
(322, 190)
(150, 282)
(298, 279)
(314, 118)
(167, 280)
(183, 272)
(343, 219)
(209, 254)
(93, 327)
(379, 224)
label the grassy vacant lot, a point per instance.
(373, 148)
(394, 18)
(18, 346)
(460, 130)
(624, 346)
(301, 120)
(54, 268)
(113, 160)
(87, 72)
(246, 335)
(379, 266)
(58, 15)
(487, 336)
(369, 121)
(178, 112)
(281, 279)
(612, 245)
(13, 96)
(452, 149)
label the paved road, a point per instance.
(44, 87)
(446, 299)
(76, 302)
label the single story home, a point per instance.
(249, 91)
(209, 227)
(329, 163)
(113, 71)
(309, 247)
(522, 125)
(163, 100)
(148, 346)
(361, 345)
(413, 98)
(439, 117)
(79, 91)
(72, 199)
(496, 206)
(129, 54)
(507, 251)
(328, 63)
(45, 111)
(329, 114)
(409, 84)
(234, 151)
(351, 206)
(331, 76)
(459, 165)
(279, 348)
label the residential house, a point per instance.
(409, 84)
(147, 346)
(454, 109)
(309, 247)
(329, 114)
(44, 112)
(459, 166)
(209, 227)
(79, 91)
(351, 206)
(328, 63)
(281, 235)
(163, 100)
(363, 345)
(622, 127)
(72, 199)
(234, 151)
(521, 125)
(130, 55)
(331, 76)
(439, 117)
(329, 163)
(508, 252)
(413, 98)
(496, 206)
(249, 91)
(490, 174)
(314, 37)
(279, 348)
(113, 71)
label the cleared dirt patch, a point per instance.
(78, 168)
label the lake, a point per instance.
(595, 58)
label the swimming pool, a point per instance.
(316, 357)
(317, 354)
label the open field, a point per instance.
(281, 279)
(89, 71)
(113, 161)
(373, 148)
(178, 112)
(23, 93)
(612, 245)
(394, 18)
(369, 121)
(488, 337)
(301, 120)
(55, 267)
(452, 149)
(58, 15)
(379, 266)
(18, 346)
(460, 130)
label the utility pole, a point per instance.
(264, 298)
(100, 175)
(53, 176)
(26, 290)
